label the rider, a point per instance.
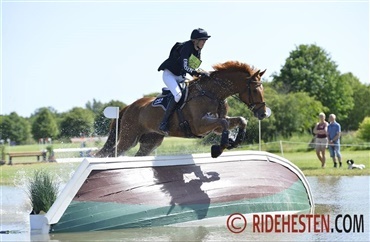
(184, 58)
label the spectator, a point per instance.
(334, 132)
(321, 138)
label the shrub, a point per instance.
(42, 191)
(364, 129)
(2, 152)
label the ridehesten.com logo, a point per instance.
(296, 223)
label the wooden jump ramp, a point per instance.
(184, 190)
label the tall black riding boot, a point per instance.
(170, 108)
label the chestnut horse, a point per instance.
(205, 111)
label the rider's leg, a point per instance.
(171, 82)
(170, 108)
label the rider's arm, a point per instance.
(185, 53)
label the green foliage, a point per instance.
(42, 191)
(101, 124)
(153, 94)
(44, 125)
(2, 152)
(77, 123)
(50, 150)
(15, 128)
(95, 106)
(364, 129)
(361, 108)
(291, 113)
(310, 69)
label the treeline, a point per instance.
(46, 122)
(307, 84)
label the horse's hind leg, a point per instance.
(126, 141)
(148, 143)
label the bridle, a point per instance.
(252, 105)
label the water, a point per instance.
(346, 197)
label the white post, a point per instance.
(281, 148)
(113, 112)
(117, 114)
(259, 134)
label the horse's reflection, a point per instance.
(184, 188)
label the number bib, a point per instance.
(194, 62)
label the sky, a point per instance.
(62, 54)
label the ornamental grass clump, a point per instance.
(42, 191)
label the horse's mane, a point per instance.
(234, 66)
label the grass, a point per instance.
(305, 159)
(311, 166)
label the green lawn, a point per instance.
(311, 166)
(305, 160)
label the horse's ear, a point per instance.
(262, 72)
(256, 74)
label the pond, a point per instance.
(344, 199)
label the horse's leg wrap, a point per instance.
(238, 140)
(216, 150)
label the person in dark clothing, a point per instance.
(184, 58)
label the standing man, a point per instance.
(334, 132)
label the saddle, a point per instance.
(162, 101)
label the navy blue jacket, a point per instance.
(178, 60)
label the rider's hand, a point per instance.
(195, 73)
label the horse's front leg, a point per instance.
(214, 123)
(216, 150)
(241, 123)
(226, 142)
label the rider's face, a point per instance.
(199, 43)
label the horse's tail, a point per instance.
(108, 148)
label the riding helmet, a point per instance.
(199, 34)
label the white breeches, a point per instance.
(172, 82)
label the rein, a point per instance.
(251, 106)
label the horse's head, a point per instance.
(252, 95)
(234, 77)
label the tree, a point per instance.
(15, 128)
(310, 69)
(77, 123)
(364, 129)
(294, 112)
(361, 108)
(95, 106)
(44, 125)
(101, 124)
(153, 94)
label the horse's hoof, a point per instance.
(216, 151)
